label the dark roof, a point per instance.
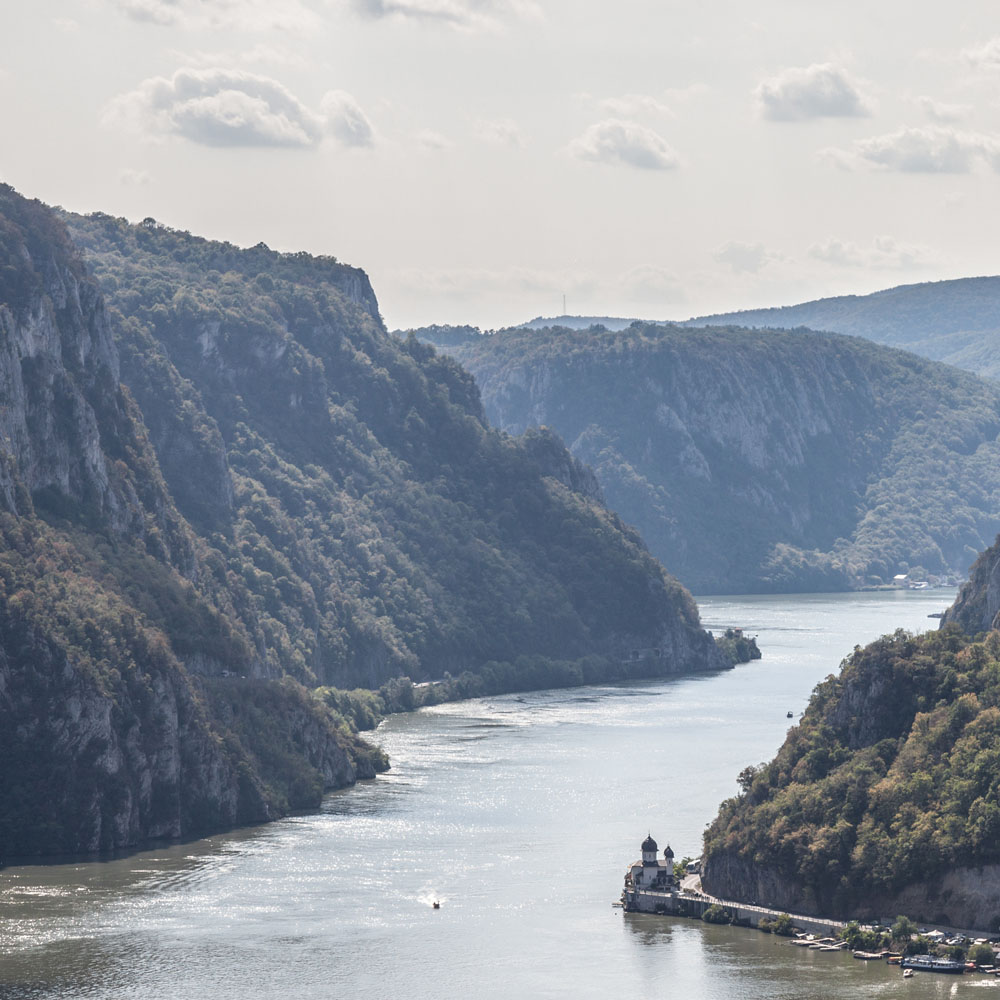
(649, 845)
(668, 853)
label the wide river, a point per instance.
(518, 813)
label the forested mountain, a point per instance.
(764, 461)
(885, 798)
(222, 484)
(954, 321)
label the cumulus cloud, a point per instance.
(223, 107)
(823, 90)
(501, 132)
(986, 56)
(621, 141)
(744, 257)
(942, 113)
(246, 15)
(930, 150)
(465, 14)
(884, 252)
(345, 120)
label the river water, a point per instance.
(518, 813)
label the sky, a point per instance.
(481, 159)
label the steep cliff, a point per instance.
(978, 603)
(367, 522)
(227, 486)
(884, 798)
(763, 460)
(105, 739)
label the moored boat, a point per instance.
(927, 963)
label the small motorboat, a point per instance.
(436, 904)
(907, 973)
(788, 715)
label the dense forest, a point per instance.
(953, 321)
(885, 797)
(763, 461)
(225, 493)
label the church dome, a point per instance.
(649, 845)
(668, 853)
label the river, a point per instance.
(518, 813)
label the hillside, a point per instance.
(763, 461)
(952, 321)
(222, 485)
(884, 798)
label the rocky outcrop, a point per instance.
(977, 605)
(762, 460)
(962, 897)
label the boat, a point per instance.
(436, 905)
(788, 715)
(927, 963)
(871, 956)
(907, 973)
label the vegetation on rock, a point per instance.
(891, 780)
(763, 460)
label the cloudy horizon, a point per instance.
(481, 159)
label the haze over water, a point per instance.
(517, 813)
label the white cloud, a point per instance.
(132, 178)
(465, 14)
(884, 252)
(634, 104)
(628, 142)
(941, 113)
(245, 15)
(748, 257)
(273, 55)
(823, 90)
(225, 107)
(930, 150)
(501, 132)
(433, 140)
(986, 56)
(345, 120)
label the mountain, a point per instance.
(106, 738)
(952, 321)
(222, 485)
(885, 798)
(763, 461)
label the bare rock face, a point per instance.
(978, 603)
(106, 739)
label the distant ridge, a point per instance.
(954, 321)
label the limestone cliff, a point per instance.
(978, 603)
(884, 798)
(763, 460)
(105, 739)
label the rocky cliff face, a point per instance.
(978, 602)
(883, 799)
(106, 740)
(762, 460)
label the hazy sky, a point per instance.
(482, 158)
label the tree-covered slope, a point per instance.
(106, 739)
(884, 798)
(763, 460)
(364, 521)
(953, 321)
(233, 485)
